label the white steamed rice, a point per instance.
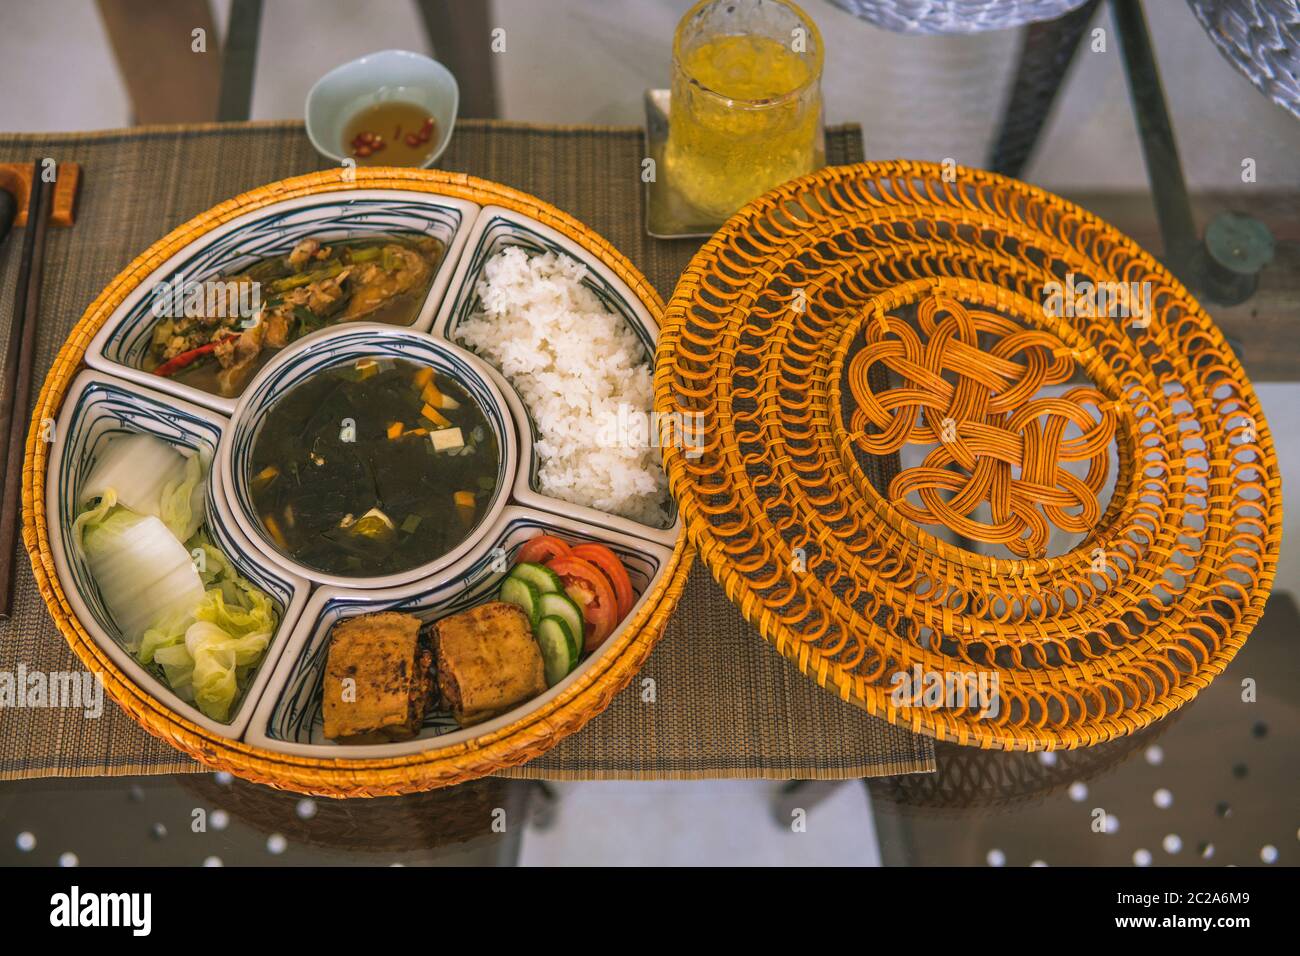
(583, 375)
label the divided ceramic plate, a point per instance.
(494, 230)
(280, 709)
(291, 720)
(97, 409)
(119, 347)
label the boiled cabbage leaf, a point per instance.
(208, 652)
(143, 573)
(150, 477)
(182, 608)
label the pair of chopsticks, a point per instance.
(19, 359)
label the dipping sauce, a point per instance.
(373, 468)
(392, 133)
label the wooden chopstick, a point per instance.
(19, 360)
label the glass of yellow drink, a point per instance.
(746, 101)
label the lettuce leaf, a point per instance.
(180, 506)
(143, 573)
(208, 652)
(181, 607)
(150, 477)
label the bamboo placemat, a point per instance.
(722, 702)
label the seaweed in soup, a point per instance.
(373, 468)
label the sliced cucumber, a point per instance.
(567, 610)
(544, 579)
(557, 643)
(518, 591)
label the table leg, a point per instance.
(167, 81)
(1046, 50)
(1182, 251)
(460, 35)
(239, 61)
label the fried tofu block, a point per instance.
(377, 680)
(487, 661)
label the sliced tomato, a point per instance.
(588, 586)
(541, 549)
(613, 569)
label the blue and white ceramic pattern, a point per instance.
(96, 409)
(340, 345)
(121, 345)
(495, 229)
(291, 720)
(281, 708)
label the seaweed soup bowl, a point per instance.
(342, 345)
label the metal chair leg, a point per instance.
(1046, 50)
(544, 805)
(460, 34)
(239, 61)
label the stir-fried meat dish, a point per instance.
(227, 329)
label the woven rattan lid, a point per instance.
(1043, 378)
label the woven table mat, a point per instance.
(725, 704)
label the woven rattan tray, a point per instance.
(534, 732)
(884, 307)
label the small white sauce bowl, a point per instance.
(375, 78)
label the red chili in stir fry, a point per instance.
(217, 337)
(186, 358)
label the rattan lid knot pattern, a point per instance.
(1007, 443)
(790, 344)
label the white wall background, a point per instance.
(588, 61)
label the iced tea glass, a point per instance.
(746, 101)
